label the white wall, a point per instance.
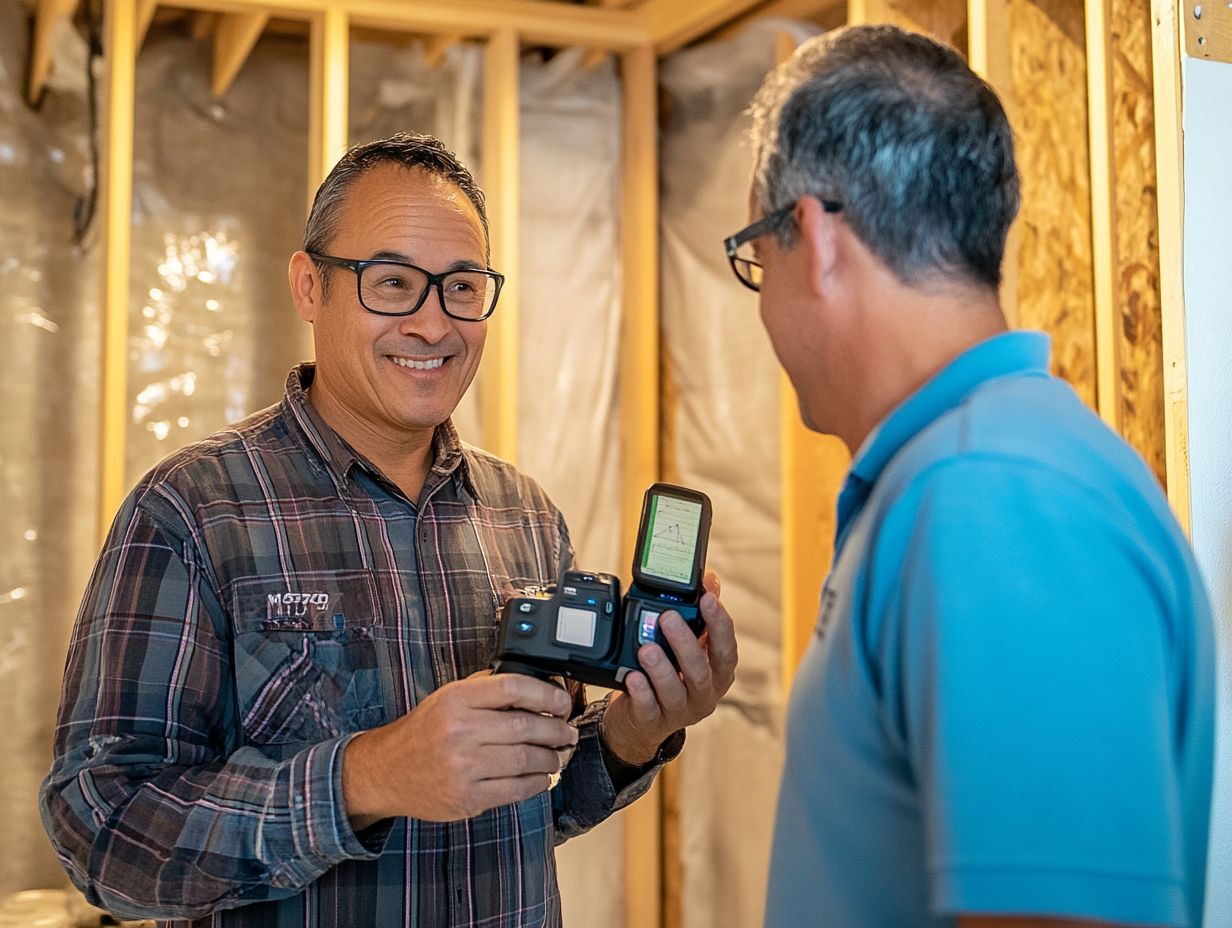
(1208, 335)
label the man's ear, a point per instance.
(305, 280)
(819, 239)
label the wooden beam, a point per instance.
(330, 83)
(201, 24)
(542, 22)
(941, 19)
(438, 46)
(1208, 29)
(329, 91)
(988, 52)
(1166, 64)
(145, 16)
(501, 181)
(673, 24)
(640, 412)
(1103, 211)
(116, 188)
(593, 58)
(234, 37)
(828, 14)
(47, 18)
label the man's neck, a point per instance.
(405, 460)
(910, 336)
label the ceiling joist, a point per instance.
(145, 16)
(603, 27)
(234, 37)
(672, 24)
(201, 24)
(438, 46)
(47, 17)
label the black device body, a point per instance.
(582, 627)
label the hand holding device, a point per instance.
(581, 627)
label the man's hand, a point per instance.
(662, 700)
(470, 746)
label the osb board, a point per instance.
(1208, 29)
(1140, 334)
(944, 20)
(1049, 114)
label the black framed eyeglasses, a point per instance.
(394, 288)
(739, 249)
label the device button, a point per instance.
(525, 628)
(526, 607)
(608, 607)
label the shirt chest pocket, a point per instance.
(307, 665)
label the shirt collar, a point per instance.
(1008, 353)
(449, 457)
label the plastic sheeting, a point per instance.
(219, 190)
(49, 327)
(569, 350)
(393, 89)
(723, 438)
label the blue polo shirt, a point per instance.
(1008, 702)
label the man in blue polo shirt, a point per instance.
(1005, 716)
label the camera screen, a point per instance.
(671, 538)
(647, 623)
(575, 626)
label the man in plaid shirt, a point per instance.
(276, 710)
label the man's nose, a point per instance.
(429, 321)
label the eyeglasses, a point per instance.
(393, 288)
(748, 270)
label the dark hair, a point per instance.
(897, 128)
(405, 149)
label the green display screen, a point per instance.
(671, 538)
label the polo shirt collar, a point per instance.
(449, 458)
(1002, 355)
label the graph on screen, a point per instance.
(671, 539)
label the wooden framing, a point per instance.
(145, 16)
(672, 24)
(1166, 61)
(1103, 212)
(1208, 29)
(120, 47)
(499, 397)
(639, 414)
(988, 45)
(234, 36)
(329, 52)
(48, 16)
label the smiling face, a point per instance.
(385, 383)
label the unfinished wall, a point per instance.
(568, 365)
(1047, 104)
(1140, 333)
(50, 329)
(722, 437)
(218, 208)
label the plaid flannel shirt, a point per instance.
(264, 595)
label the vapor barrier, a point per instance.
(394, 89)
(722, 415)
(569, 351)
(49, 329)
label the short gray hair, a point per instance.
(408, 150)
(898, 129)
